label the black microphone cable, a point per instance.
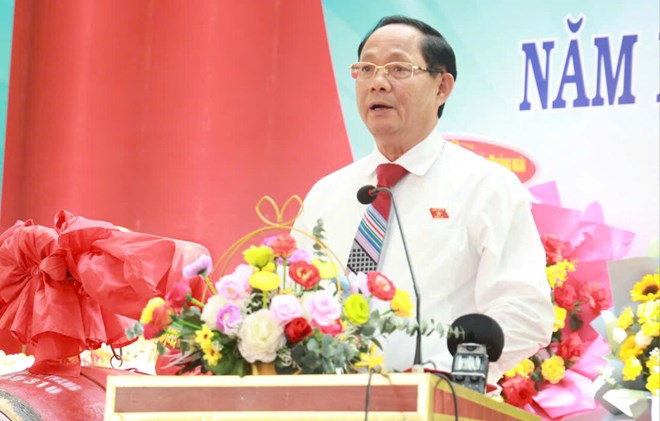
(453, 391)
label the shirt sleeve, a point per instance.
(511, 284)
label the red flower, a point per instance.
(565, 296)
(176, 297)
(297, 329)
(334, 329)
(380, 286)
(596, 296)
(518, 390)
(571, 348)
(553, 248)
(304, 274)
(283, 245)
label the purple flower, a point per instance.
(229, 319)
(202, 266)
(300, 255)
(285, 307)
(235, 286)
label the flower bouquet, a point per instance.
(282, 306)
(632, 374)
(555, 382)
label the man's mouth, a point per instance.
(377, 107)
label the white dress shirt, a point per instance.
(486, 257)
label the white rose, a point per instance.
(210, 311)
(260, 337)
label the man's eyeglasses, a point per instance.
(398, 70)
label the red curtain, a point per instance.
(168, 117)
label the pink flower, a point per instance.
(176, 297)
(235, 286)
(285, 308)
(323, 308)
(333, 329)
(229, 319)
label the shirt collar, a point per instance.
(417, 160)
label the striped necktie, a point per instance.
(371, 231)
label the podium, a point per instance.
(402, 396)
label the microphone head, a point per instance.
(479, 329)
(366, 194)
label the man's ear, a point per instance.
(445, 86)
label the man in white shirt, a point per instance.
(473, 243)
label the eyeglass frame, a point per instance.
(387, 73)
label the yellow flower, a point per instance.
(629, 349)
(148, 311)
(558, 273)
(525, 368)
(264, 281)
(356, 309)
(203, 337)
(648, 289)
(371, 359)
(632, 368)
(258, 256)
(651, 328)
(648, 311)
(212, 353)
(654, 359)
(626, 318)
(401, 304)
(553, 369)
(653, 365)
(327, 269)
(653, 383)
(560, 318)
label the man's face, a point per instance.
(399, 111)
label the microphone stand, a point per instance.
(417, 362)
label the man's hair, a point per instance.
(437, 52)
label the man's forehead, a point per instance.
(397, 39)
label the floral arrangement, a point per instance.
(282, 306)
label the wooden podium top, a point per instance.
(402, 396)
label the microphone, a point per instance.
(482, 341)
(366, 195)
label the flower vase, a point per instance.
(263, 369)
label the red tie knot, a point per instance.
(389, 174)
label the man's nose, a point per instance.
(380, 80)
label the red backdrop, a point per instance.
(168, 117)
